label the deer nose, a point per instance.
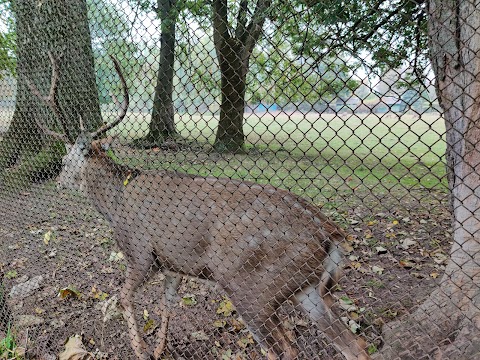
(59, 184)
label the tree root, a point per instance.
(441, 329)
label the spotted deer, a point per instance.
(262, 245)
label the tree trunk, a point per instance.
(162, 124)
(234, 49)
(59, 27)
(230, 136)
(447, 325)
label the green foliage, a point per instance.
(391, 31)
(111, 35)
(7, 39)
(8, 346)
(279, 76)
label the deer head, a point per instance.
(73, 164)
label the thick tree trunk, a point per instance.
(162, 124)
(234, 49)
(230, 136)
(59, 27)
(447, 325)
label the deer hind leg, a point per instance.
(171, 283)
(137, 273)
(318, 310)
(268, 331)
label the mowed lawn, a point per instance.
(314, 154)
(311, 154)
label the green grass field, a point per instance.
(316, 155)
(313, 155)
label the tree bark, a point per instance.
(234, 49)
(230, 136)
(59, 27)
(162, 124)
(447, 325)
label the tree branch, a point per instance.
(241, 19)
(255, 27)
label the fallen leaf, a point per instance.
(11, 274)
(347, 247)
(146, 315)
(189, 300)
(381, 250)
(354, 315)
(200, 336)
(354, 327)
(225, 308)
(407, 264)
(149, 327)
(116, 256)
(98, 294)
(69, 291)
(227, 355)
(407, 243)
(237, 324)
(439, 258)
(74, 350)
(418, 275)
(47, 236)
(245, 341)
(347, 304)
(300, 322)
(377, 269)
(219, 323)
(355, 265)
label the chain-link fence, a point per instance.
(242, 180)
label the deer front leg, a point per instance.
(171, 283)
(135, 276)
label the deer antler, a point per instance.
(123, 106)
(52, 102)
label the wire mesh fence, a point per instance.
(241, 180)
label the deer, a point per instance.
(262, 245)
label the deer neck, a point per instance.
(106, 182)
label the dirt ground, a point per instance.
(394, 258)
